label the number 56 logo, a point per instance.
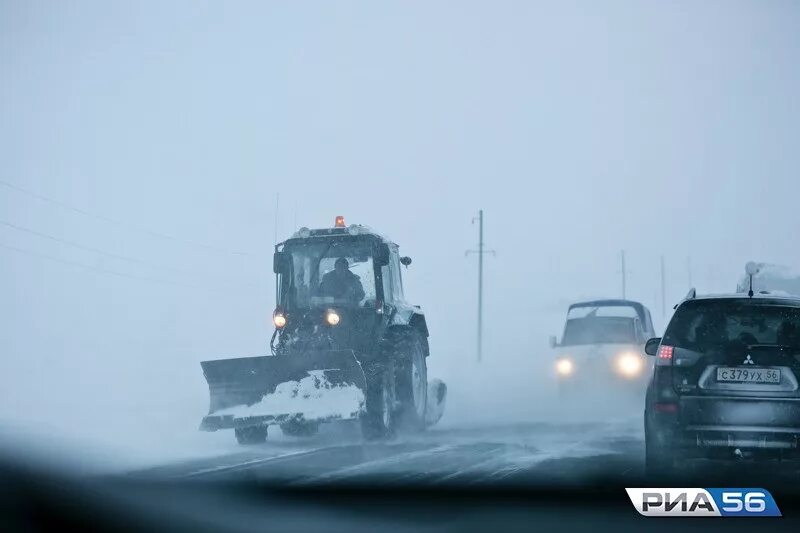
(745, 502)
(703, 502)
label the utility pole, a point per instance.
(277, 207)
(663, 290)
(622, 257)
(480, 251)
(480, 284)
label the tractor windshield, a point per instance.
(330, 272)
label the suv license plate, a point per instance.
(748, 375)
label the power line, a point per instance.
(97, 269)
(95, 250)
(78, 245)
(115, 272)
(120, 223)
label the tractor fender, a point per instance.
(411, 318)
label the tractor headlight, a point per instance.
(332, 317)
(629, 364)
(564, 367)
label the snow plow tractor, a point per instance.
(346, 345)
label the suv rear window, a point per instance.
(703, 325)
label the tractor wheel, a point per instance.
(295, 428)
(411, 374)
(251, 435)
(378, 419)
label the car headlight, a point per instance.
(629, 364)
(332, 317)
(564, 367)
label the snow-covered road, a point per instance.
(534, 452)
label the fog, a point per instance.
(144, 146)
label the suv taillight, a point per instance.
(664, 355)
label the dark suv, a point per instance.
(725, 382)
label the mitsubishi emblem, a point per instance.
(748, 360)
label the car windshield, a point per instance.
(599, 330)
(330, 242)
(316, 280)
(704, 325)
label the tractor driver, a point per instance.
(342, 284)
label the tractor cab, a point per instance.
(335, 286)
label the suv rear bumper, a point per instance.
(730, 422)
(741, 437)
(736, 413)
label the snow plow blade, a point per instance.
(316, 386)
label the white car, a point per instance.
(603, 346)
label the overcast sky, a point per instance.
(164, 130)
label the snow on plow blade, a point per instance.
(317, 385)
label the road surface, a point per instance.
(562, 453)
(557, 475)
